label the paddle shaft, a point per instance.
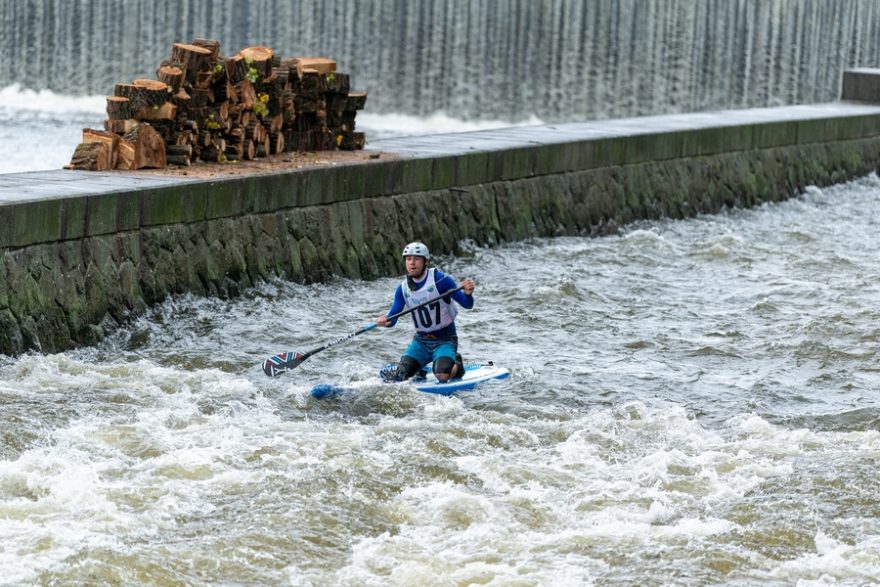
(373, 325)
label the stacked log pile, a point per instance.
(206, 107)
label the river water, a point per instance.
(692, 403)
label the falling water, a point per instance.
(511, 59)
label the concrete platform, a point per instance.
(802, 124)
(562, 133)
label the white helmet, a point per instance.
(416, 250)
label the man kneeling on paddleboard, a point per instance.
(435, 339)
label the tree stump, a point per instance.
(253, 64)
(118, 108)
(172, 76)
(193, 58)
(210, 45)
(143, 93)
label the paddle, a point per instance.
(287, 361)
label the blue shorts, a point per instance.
(426, 348)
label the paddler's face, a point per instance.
(415, 265)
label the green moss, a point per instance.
(37, 222)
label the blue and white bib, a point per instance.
(434, 316)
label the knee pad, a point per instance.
(406, 368)
(443, 365)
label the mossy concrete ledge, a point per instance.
(83, 252)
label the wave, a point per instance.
(379, 125)
(16, 98)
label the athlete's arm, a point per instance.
(446, 283)
(396, 306)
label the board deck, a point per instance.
(474, 375)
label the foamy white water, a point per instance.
(40, 130)
(692, 403)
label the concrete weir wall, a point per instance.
(82, 252)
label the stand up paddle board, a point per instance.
(474, 375)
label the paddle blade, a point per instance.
(282, 362)
(325, 390)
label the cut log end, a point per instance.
(257, 53)
(187, 48)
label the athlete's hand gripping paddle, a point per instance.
(289, 360)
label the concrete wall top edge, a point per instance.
(413, 164)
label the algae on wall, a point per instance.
(57, 295)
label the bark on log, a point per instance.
(211, 154)
(209, 44)
(141, 93)
(182, 137)
(204, 79)
(118, 108)
(248, 150)
(276, 142)
(311, 82)
(179, 155)
(319, 64)
(310, 140)
(356, 101)
(337, 83)
(282, 74)
(119, 127)
(252, 131)
(167, 111)
(171, 75)
(350, 141)
(194, 59)
(258, 61)
(155, 92)
(235, 136)
(90, 157)
(179, 160)
(247, 96)
(305, 103)
(341, 121)
(107, 138)
(275, 124)
(288, 109)
(234, 152)
(179, 150)
(224, 91)
(200, 97)
(220, 113)
(182, 98)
